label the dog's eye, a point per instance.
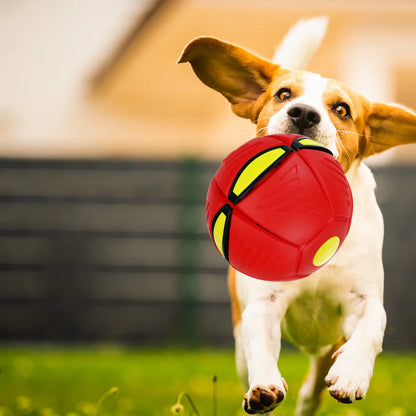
(283, 94)
(342, 110)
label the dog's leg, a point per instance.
(349, 377)
(310, 394)
(240, 357)
(260, 340)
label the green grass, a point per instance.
(69, 382)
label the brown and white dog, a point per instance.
(336, 315)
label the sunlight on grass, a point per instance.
(79, 382)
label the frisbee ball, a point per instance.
(279, 207)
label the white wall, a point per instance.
(48, 50)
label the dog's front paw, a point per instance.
(263, 399)
(349, 378)
(344, 391)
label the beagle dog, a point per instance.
(335, 315)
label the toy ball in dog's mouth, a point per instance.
(279, 207)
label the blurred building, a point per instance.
(99, 78)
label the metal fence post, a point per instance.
(191, 196)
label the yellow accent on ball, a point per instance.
(255, 168)
(310, 142)
(326, 251)
(218, 231)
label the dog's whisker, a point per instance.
(345, 149)
(262, 130)
(352, 132)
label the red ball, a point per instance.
(279, 207)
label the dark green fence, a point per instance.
(108, 250)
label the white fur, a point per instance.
(314, 87)
(300, 43)
(341, 300)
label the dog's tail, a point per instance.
(300, 43)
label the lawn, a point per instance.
(70, 382)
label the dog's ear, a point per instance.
(237, 74)
(387, 125)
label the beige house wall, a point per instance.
(144, 105)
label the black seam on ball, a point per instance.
(296, 145)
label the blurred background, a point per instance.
(107, 148)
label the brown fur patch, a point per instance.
(349, 130)
(235, 304)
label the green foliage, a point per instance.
(77, 382)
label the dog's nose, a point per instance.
(303, 116)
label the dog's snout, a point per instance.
(303, 116)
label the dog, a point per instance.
(335, 315)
